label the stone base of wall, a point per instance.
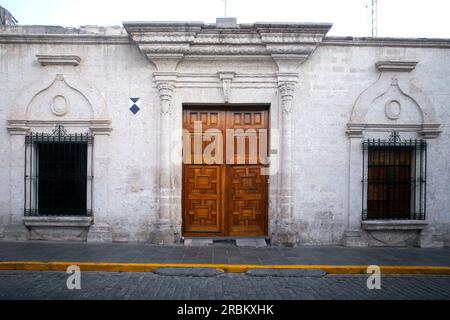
(16, 233)
(433, 237)
(164, 235)
(355, 238)
(395, 234)
(283, 234)
(284, 239)
(100, 233)
(57, 228)
(58, 234)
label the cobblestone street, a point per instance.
(102, 285)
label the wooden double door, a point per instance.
(225, 193)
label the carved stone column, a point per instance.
(285, 233)
(164, 233)
(100, 231)
(353, 235)
(15, 229)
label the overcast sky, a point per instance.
(397, 18)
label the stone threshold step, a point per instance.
(255, 242)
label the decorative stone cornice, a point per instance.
(58, 60)
(426, 131)
(22, 127)
(396, 66)
(21, 34)
(292, 42)
(387, 42)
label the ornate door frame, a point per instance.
(282, 47)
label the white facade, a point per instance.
(326, 96)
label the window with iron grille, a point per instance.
(58, 174)
(394, 179)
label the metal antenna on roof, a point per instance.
(6, 18)
(225, 7)
(374, 18)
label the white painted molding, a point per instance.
(386, 42)
(396, 66)
(394, 225)
(211, 80)
(22, 127)
(74, 82)
(58, 60)
(394, 73)
(165, 44)
(100, 129)
(18, 130)
(57, 221)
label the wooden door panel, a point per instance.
(212, 125)
(203, 199)
(245, 136)
(247, 207)
(209, 119)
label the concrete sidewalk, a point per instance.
(222, 254)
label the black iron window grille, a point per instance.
(394, 179)
(58, 173)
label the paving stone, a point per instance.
(147, 253)
(286, 273)
(188, 272)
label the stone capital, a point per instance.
(289, 62)
(355, 130)
(166, 90)
(165, 62)
(287, 91)
(20, 130)
(101, 130)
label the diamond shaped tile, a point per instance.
(135, 109)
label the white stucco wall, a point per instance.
(330, 82)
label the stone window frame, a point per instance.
(20, 123)
(31, 167)
(392, 73)
(418, 174)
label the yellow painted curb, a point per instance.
(231, 268)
